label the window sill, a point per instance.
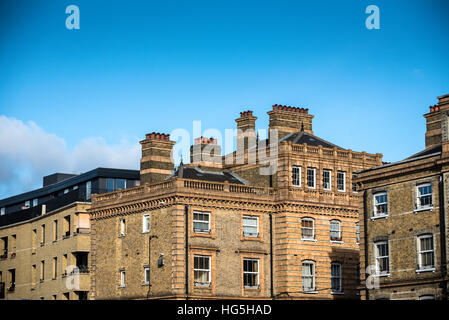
(382, 275)
(121, 287)
(383, 216)
(145, 232)
(310, 240)
(423, 209)
(425, 270)
(203, 285)
(145, 284)
(337, 293)
(310, 292)
(255, 288)
(121, 236)
(336, 242)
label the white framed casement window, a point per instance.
(336, 278)
(327, 179)
(146, 223)
(296, 176)
(382, 257)
(307, 229)
(27, 204)
(35, 202)
(122, 227)
(251, 273)
(427, 297)
(2, 211)
(201, 222)
(357, 232)
(426, 253)
(88, 190)
(341, 181)
(311, 178)
(308, 276)
(122, 279)
(202, 270)
(250, 226)
(146, 275)
(424, 196)
(380, 204)
(335, 230)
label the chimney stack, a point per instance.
(246, 131)
(156, 163)
(206, 154)
(437, 130)
(287, 119)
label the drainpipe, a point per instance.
(186, 210)
(149, 264)
(442, 233)
(271, 256)
(365, 236)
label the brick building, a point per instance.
(404, 243)
(234, 226)
(45, 235)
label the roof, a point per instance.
(309, 139)
(84, 177)
(426, 153)
(195, 173)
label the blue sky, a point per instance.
(139, 66)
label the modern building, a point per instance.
(404, 239)
(45, 235)
(276, 219)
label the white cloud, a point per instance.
(27, 153)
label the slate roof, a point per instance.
(309, 139)
(195, 173)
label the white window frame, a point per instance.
(195, 230)
(338, 223)
(376, 204)
(3, 211)
(146, 275)
(312, 276)
(27, 204)
(338, 277)
(307, 228)
(203, 284)
(344, 181)
(421, 252)
(298, 184)
(146, 223)
(251, 273)
(357, 232)
(122, 279)
(418, 196)
(329, 172)
(122, 227)
(427, 297)
(88, 190)
(35, 202)
(314, 178)
(378, 257)
(250, 235)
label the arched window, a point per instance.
(335, 230)
(307, 229)
(308, 275)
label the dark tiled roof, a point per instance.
(309, 139)
(195, 173)
(425, 152)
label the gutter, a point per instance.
(186, 210)
(271, 257)
(365, 236)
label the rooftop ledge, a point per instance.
(182, 185)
